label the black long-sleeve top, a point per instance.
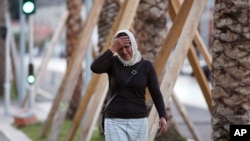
(130, 101)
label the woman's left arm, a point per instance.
(154, 89)
(155, 92)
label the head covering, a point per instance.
(136, 56)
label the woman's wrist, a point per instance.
(165, 118)
(112, 50)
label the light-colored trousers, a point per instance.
(117, 129)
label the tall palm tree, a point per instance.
(106, 19)
(230, 66)
(74, 27)
(150, 27)
(3, 9)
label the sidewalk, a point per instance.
(190, 95)
(200, 119)
(8, 132)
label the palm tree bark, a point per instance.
(150, 27)
(3, 9)
(74, 27)
(106, 20)
(230, 66)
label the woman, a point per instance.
(126, 115)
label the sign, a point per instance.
(239, 132)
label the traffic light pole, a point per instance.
(31, 44)
(28, 8)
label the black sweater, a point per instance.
(130, 101)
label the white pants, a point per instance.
(117, 129)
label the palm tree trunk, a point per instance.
(230, 66)
(150, 27)
(106, 20)
(74, 27)
(3, 9)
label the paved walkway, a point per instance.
(190, 95)
(200, 119)
(7, 130)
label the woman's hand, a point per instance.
(163, 126)
(118, 43)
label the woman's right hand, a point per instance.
(118, 43)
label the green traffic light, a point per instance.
(28, 7)
(31, 79)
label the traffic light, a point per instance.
(31, 77)
(28, 7)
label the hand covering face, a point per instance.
(136, 57)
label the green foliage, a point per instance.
(97, 137)
(33, 131)
(176, 135)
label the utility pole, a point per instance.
(27, 117)
(28, 9)
(31, 82)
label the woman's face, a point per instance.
(125, 52)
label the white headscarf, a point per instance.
(136, 56)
